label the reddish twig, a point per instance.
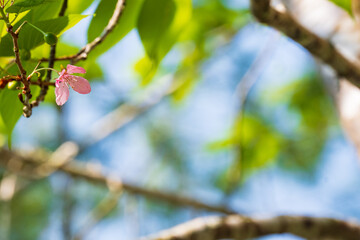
(27, 110)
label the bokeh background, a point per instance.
(281, 151)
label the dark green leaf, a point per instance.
(154, 21)
(102, 16)
(160, 24)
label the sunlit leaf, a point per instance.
(78, 6)
(10, 111)
(344, 4)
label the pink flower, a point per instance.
(79, 84)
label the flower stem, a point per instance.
(44, 33)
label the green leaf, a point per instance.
(101, 18)
(160, 24)
(154, 21)
(22, 6)
(33, 202)
(30, 38)
(78, 6)
(10, 112)
(344, 4)
(126, 23)
(48, 10)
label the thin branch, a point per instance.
(24, 165)
(27, 111)
(103, 209)
(68, 205)
(319, 47)
(128, 112)
(241, 228)
(52, 54)
(84, 52)
(242, 91)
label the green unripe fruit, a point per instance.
(50, 38)
(25, 54)
(13, 85)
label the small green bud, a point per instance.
(25, 54)
(13, 85)
(50, 38)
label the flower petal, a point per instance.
(79, 84)
(74, 69)
(61, 92)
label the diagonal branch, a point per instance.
(24, 165)
(84, 52)
(319, 47)
(241, 228)
(130, 111)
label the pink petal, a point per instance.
(61, 92)
(79, 84)
(74, 69)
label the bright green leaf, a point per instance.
(78, 6)
(10, 111)
(344, 4)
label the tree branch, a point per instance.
(84, 52)
(52, 54)
(128, 112)
(25, 165)
(241, 228)
(319, 47)
(26, 89)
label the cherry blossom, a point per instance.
(79, 84)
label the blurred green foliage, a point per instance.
(196, 32)
(259, 142)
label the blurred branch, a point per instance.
(8, 187)
(84, 52)
(67, 209)
(128, 112)
(100, 211)
(319, 47)
(24, 165)
(241, 228)
(242, 91)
